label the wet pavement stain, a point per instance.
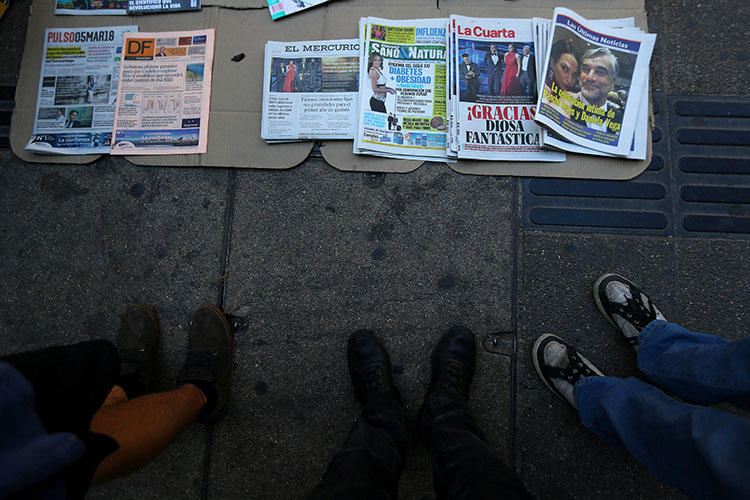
(137, 190)
(61, 188)
(379, 253)
(380, 231)
(447, 281)
(261, 387)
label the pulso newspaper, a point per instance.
(77, 93)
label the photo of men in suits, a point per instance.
(493, 65)
(469, 72)
(528, 72)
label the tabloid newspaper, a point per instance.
(639, 145)
(75, 106)
(310, 90)
(164, 94)
(91, 7)
(494, 95)
(283, 8)
(607, 59)
(402, 89)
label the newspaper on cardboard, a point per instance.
(610, 59)
(164, 94)
(402, 105)
(91, 7)
(310, 90)
(75, 106)
(494, 68)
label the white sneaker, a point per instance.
(560, 366)
(625, 306)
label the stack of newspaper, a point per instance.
(593, 86)
(476, 88)
(402, 89)
(447, 89)
(310, 90)
(492, 80)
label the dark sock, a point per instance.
(132, 384)
(207, 389)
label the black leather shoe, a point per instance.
(137, 340)
(453, 361)
(369, 366)
(208, 364)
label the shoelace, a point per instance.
(636, 312)
(132, 355)
(453, 376)
(373, 380)
(199, 360)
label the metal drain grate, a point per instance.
(711, 158)
(698, 182)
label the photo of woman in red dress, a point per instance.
(291, 71)
(511, 82)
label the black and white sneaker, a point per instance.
(625, 306)
(560, 366)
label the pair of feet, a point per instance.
(453, 361)
(208, 363)
(624, 305)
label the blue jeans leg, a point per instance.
(700, 451)
(697, 367)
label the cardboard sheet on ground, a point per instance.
(234, 128)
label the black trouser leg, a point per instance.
(463, 464)
(70, 384)
(372, 458)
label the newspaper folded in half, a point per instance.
(577, 102)
(310, 90)
(494, 70)
(75, 105)
(402, 104)
(164, 94)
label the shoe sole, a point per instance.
(227, 326)
(538, 368)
